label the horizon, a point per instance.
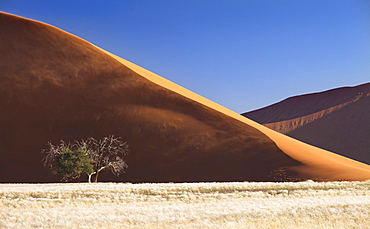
(229, 52)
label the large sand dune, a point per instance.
(54, 86)
(337, 120)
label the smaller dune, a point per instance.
(55, 85)
(336, 120)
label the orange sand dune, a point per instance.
(343, 128)
(306, 104)
(290, 125)
(54, 85)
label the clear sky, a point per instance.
(242, 54)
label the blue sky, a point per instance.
(241, 54)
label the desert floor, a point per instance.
(186, 205)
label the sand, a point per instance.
(336, 120)
(58, 86)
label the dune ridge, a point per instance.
(62, 87)
(312, 156)
(287, 126)
(342, 129)
(306, 104)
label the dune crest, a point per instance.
(317, 161)
(336, 120)
(293, 124)
(62, 87)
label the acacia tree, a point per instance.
(88, 156)
(63, 159)
(106, 153)
(73, 163)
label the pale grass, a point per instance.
(186, 205)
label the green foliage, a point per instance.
(72, 163)
(90, 156)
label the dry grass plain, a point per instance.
(186, 205)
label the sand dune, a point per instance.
(55, 86)
(343, 128)
(290, 125)
(306, 104)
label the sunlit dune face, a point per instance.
(61, 87)
(333, 119)
(318, 161)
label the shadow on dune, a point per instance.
(56, 86)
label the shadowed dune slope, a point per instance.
(303, 105)
(54, 86)
(337, 120)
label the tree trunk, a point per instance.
(90, 176)
(97, 173)
(96, 177)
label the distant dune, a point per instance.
(54, 85)
(337, 120)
